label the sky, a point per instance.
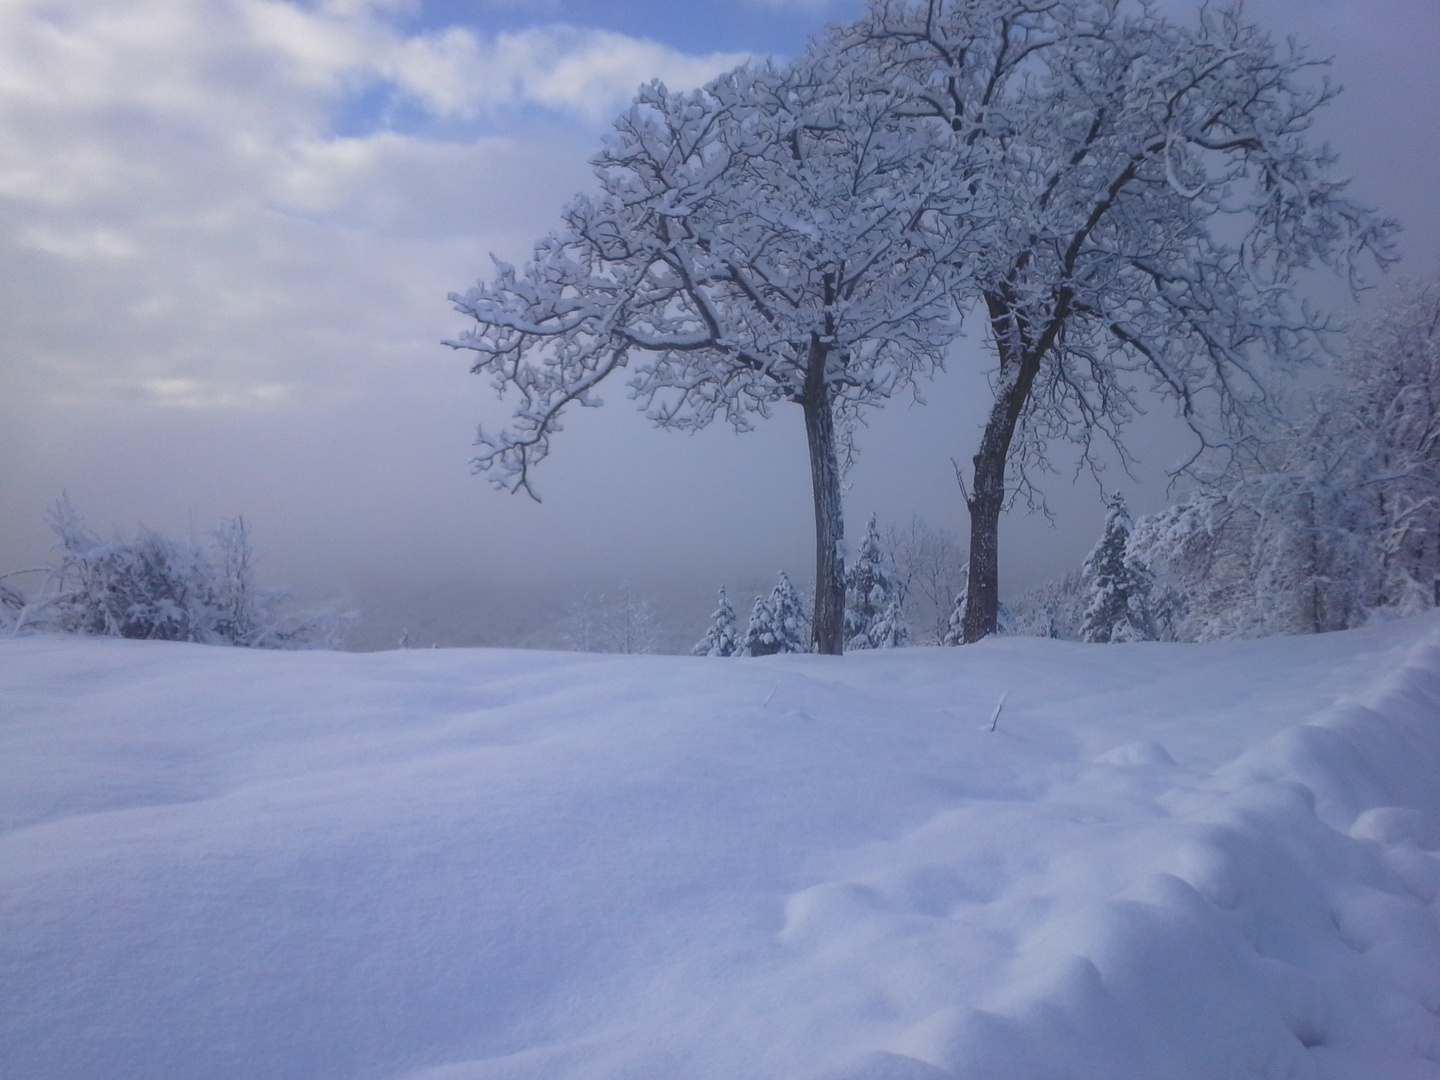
(227, 233)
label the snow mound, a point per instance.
(1167, 861)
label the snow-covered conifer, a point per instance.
(1116, 588)
(723, 637)
(890, 630)
(955, 627)
(777, 623)
(874, 597)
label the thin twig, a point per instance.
(995, 716)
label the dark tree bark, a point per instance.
(828, 624)
(1019, 364)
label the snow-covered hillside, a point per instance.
(1167, 861)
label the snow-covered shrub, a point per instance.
(723, 637)
(777, 623)
(12, 606)
(155, 588)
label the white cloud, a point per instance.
(462, 73)
(180, 224)
(591, 73)
(80, 244)
(222, 291)
(199, 394)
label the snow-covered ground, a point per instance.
(1199, 861)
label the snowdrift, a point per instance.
(1166, 861)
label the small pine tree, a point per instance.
(777, 623)
(874, 597)
(890, 631)
(1116, 586)
(955, 627)
(723, 637)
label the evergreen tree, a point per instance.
(723, 637)
(874, 597)
(1116, 586)
(890, 631)
(777, 623)
(955, 628)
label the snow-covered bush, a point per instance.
(13, 603)
(155, 588)
(723, 637)
(777, 623)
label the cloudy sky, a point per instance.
(228, 228)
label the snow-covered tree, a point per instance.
(1158, 195)
(723, 637)
(1116, 588)
(890, 630)
(785, 234)
(1051, 609)
(160, 589)
(1333, 519)
(931, 564)
(1390, 394)
(955, 624)
(615, 622)
(777, 623)
(874, 597)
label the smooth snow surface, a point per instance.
(1168, 861)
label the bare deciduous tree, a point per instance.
(1154, 194)
(784, 234)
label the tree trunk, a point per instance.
(828, 624)
(982, 597)
(987, 497)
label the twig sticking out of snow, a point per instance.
(771, 694)
(995, 716)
